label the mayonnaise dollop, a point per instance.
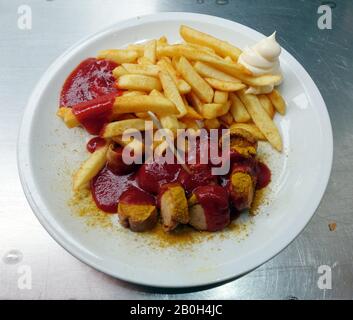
(262, 58)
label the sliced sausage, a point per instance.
(242, 144)
(173, 206)
(137, 210)
(115, 161)
(209, 208)
(242, 185)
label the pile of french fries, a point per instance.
(197, 83)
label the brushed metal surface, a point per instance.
(326, 55)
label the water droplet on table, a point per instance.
(12, 257)
(222, 2)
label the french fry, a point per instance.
(143, 60)
(261, 119)
(212, 123)
(227, 118)
(90, 168)
(139, 48)
(225, 85)
(194, 100)
(214, 110)
(192, 114)
(199, 85)
(150, 51)
(175, 61)
(68, 117)
(122, 116)
(228, 59)
(221, 47)
(251, 128)
(203, 49)
(278, 101)
(158, 105)
(238, 110)
(61, 112)
(264, 80)
(142, 115)
(220, 96)
(118, 55)
(189, 123)
(162, 41)
(208, 71)
(119, 71)
(172, 93)
(166, 65)
(139, 82)
(133, 93)
(144, 69)
(170, 122)
(117, 128)
(234, 69)
(156, 93)
(267, 104)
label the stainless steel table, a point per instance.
(293, 274)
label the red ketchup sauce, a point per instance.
(201, 175)
(107, 188)
(94, 144)
(214, 201)
(263, 174)
(90, 90)
(94, 114)
(137, 196)
(92, 78)
(151, 177)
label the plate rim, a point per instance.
(40, 210)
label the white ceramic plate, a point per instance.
(48, 152)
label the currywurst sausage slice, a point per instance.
(137, 210)
(209, 208)
(173, 206)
